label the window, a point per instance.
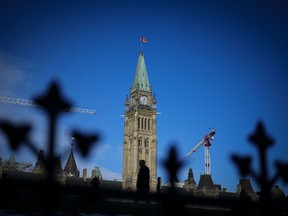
(146, 143)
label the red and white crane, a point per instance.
(206, 141)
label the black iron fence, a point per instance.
(47, 196)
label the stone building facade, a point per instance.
(140, 133)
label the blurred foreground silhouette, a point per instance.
(49, 192)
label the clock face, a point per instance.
(143, 100)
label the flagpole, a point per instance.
(142, 40)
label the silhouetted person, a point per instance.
(143, 179)
(95, 182)
(158, 185)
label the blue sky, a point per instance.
(220, 64)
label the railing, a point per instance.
(48, 196)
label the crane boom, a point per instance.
(195, 148)
(24, 102)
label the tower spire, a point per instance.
(72, 144)
(141, 80)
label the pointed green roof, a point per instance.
(141, 80)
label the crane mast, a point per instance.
(207, 143)
(24, 102)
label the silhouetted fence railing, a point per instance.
(47, 195)
(25, 198)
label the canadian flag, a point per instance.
(144, 40)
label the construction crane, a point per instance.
(206, 141)
(24, 102)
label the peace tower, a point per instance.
(140, 132)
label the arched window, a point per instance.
(140, 142)
(146, 144)
(138, 122)
(148, 124)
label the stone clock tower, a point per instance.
(140, 134)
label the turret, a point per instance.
(154, 102)
(127, 103)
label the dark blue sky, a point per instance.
(220, 64)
